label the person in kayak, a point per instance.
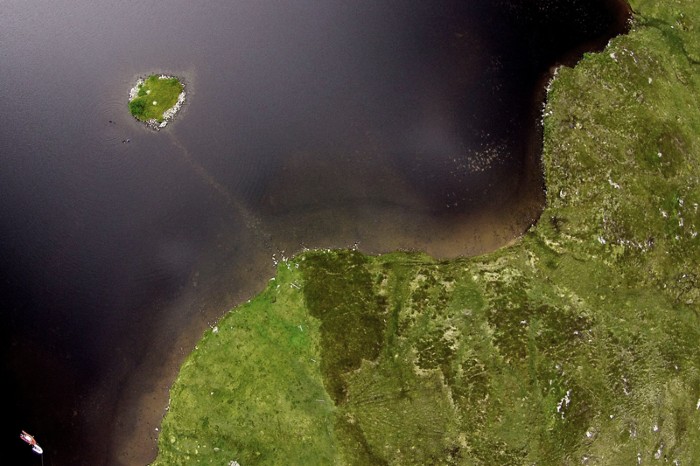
(31, 441)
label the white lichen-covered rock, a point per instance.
(170, 113)
(134, 91)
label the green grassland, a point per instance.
(580, 344)
(155, 96)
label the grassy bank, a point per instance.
(577, 345)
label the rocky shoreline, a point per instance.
(170, 113)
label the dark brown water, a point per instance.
(381, 124)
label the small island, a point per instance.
(156, 99)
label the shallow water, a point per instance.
(308, 124)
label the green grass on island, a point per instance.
(580, 344)
(153, 97)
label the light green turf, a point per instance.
(245, 401)
(578, 345)
(155, 97)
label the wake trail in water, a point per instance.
(251, 221)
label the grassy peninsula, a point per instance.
(156, 99)
(577, 345)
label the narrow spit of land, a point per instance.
(156, 99)
(577, 345)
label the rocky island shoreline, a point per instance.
(156, 99)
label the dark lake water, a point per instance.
(377, 124)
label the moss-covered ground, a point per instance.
(154, 97)
(580, 344)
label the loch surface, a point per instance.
(380, 125)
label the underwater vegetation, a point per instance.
(576, 345)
